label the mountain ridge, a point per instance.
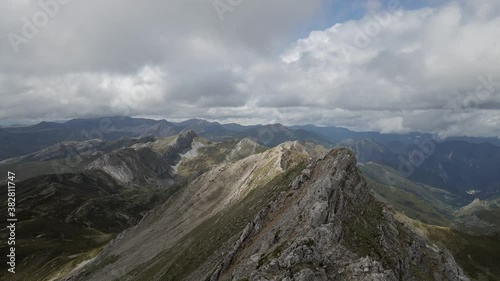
(310, 231)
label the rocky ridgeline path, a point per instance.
(330, 227)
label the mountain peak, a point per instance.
(330, 227)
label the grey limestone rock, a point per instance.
(332, 229)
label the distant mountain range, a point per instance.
(395, 141)
(457, 164)
(18, 141)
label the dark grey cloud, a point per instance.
(120, 36)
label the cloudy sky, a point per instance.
(390, 66)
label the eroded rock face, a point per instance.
(142, 165)
(330, 227)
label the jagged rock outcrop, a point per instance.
(332, 228)
(182, 144)
(141, 165)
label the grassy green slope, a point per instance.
(428, 204)
(66, 219)
(433, 211)
(476, 254)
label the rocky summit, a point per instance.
(288, 221)
(332, 228)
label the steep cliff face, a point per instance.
(329, 227)
(267, 217)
